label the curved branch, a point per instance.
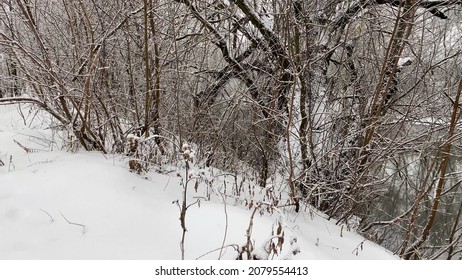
(277, 51)
(41, 104)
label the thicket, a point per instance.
(351, 106)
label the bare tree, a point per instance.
(354, 104)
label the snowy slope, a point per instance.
(59, 205)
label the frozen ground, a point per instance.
(61, 205)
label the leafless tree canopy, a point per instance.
(354, 103)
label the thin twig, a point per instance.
(51, 218)
(75, 224)
(235, 246)
(226, 227)
(360, 246)
(11, 164)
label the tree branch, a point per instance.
(41, 104)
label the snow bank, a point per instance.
(58, 205)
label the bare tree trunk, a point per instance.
(147, 72)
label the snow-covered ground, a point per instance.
(61, 205)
